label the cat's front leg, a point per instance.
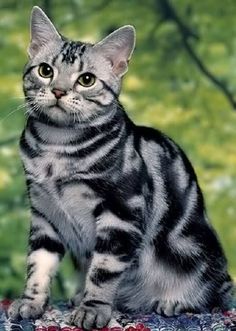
(116, 245)
(82, 269)
(43, 259)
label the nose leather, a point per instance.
(58, 92)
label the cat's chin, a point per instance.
(53, 115)
(57, 108)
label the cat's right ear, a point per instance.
(42, 31)
(118, 47)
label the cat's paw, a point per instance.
(76, 300)
(91, 315)
(25, 308)
(169, 308)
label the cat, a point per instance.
(122, 199)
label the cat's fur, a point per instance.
(123, 199)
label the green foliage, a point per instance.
(163, 89)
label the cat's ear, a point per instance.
(42, 31)
(118, 48)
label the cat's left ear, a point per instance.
(42, 31)
(118, 47)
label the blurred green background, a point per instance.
(182, 80)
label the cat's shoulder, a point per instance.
(159, 143)
(155, 136)
(150, 133)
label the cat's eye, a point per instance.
(87, 79)
(45, 70)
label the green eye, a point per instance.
(45, 70)
(87, 79)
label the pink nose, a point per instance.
(58, 92)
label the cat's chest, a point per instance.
(48, 166)
(60, 177)
(69, 206)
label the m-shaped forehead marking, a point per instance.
(70, 51)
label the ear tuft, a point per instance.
(118, 48)
(42, 31)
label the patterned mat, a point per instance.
(56, 317)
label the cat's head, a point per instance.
(67, 81)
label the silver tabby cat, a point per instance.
(122, 199)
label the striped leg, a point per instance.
(45, 253)
(82, 269)
(117, 242)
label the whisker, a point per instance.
(18, 98)
(12, 112)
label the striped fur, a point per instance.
(123, 199)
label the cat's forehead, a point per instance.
(66, 53)
(70, 57)
(70, 52)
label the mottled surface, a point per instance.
(56, 318)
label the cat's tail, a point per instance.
(226, 293)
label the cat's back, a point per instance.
(164, 157)
(175, 191)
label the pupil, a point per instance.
(46, 70)
(87, 79)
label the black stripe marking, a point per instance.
(92, 131)
(70, 53)
(34, 291)
(28, 71)
(108, 88)
(26, 148)
(81, 65)
(66, 42)
(106, 161)
(182, 263)
(115, 195)
(47, 243)
(36, 212)
(57, 56)
(55, 59)
(49, 170)
(30, 269)
(228, 287)
(82, 49)
(98, 103)
(102, 275)
(83, 152)
(25, 296)
(30, 273)
(33, 131)
(61, 183)
(34, 229)
(75, 229)
(93, 303)
(81, 52)
(118, 242)
(99, 209)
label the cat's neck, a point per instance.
(51, 133)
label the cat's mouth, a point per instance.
(57, 105)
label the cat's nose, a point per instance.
(58, 92)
